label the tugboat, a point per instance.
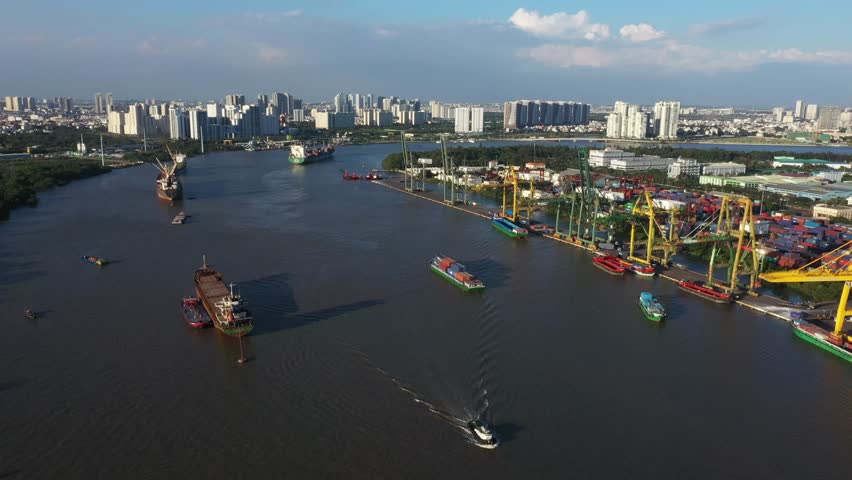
(94, 260)
(179, 219)
(652, 308)
(643, 270)
(610, 264)
(484, 433)
(29, 314)
(351, 176)
(194, 314)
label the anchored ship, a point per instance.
(300, 154)
(224, 306)
(168, 185)
(651, 307)
(194, 314)
(455, 273)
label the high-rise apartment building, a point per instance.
(829, 117)
(666, 116)
(178, 123)
(198, 126)
(525, 113)
(811, 112)
(136, 120)
(799, 110)
(235, 100)
(469, 119)
(778, 114)
(262, 100)
(627, 121)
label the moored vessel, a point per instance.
(300, 154)
(179, 219)
(542, 229)
(94, 260)
(822, 338)
(509, 228)
(351, 176)
(456, 273)
(221, 303)
(610, 264)
(643, 270)
(714, 293)
(651, 307)
(194, 313)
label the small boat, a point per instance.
(643, 270)
(373, 176)
(542, 229)
(651, 307)
(610, 264)
(179, 219)
(351, 176)
(194, 313)
(714, 293)
(29, 314)
(95, 260)
(456, 273)
(484, 433)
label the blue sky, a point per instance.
(720, 53)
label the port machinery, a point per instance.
(825, 269)
(656, 238)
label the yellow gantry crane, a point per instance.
(509, 180)
(725, 226)
(822, 271)
(644, 207)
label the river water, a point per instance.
(362, 362)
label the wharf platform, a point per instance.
(766, 304)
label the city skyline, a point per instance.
(477, 52)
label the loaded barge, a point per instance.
(225, 308)
(508, 227)
(714, 293)
(822, 339)
(651, 307)
(456, 274)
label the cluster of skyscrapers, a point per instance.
(20, 104)
(353, 109)
(521, 114)
(232, 119)
(630, 121)
(827, 117)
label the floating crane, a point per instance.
(825, 269)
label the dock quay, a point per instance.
(765, 304)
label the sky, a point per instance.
(724, 52)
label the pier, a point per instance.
(765, 304)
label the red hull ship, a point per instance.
(610, 264)
(710, 292)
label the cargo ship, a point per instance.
(610, 264)
(168, 185)
(651, 307)
(822, 339)
(300, 154)
(94, 260)
(194, 314)
(507, 227)
(224, 307)
(714, 293)
(542, 229)
(456, 273)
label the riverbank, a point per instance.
(21, 180)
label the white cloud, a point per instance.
(673, 56)
(270, 55)
(559, 25)
(384, 32)
(640, 33)
(151, 46)
(272, 17)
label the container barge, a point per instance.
(822, 339)
(714, 293)
(609, 264)
(509, 228)
(224, 307)
(456, 274)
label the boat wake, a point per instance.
(453, 420)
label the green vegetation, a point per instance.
(20, 180)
